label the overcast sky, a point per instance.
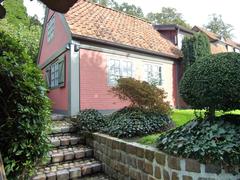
(194, 12)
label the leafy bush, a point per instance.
(90, 120)
(195, 47)
(131, 122)
(24, 110)
(213, 83)
(142, 95)
(212, 141)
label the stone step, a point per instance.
(58, 117)
(68, 170)
(66, 140)
(62, 127)
(70, 153)
(96, 177)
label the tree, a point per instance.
(213, 83)
(218, 26)
(195, 47)
(130, 9)
(167, 15)
(21, 27)
(107, 3)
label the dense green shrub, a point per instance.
(132, 122)
(142, 95)
(213, 83)
(24, 110)
(90, 120)
(195, 47)
(212, 141)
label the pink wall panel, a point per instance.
(59, 40)
(94, 90)
(59, 96)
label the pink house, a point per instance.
(84, 51)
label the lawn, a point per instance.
(180, 117)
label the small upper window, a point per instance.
(50, 28)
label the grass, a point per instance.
(180, 117)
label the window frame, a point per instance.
(151, 72)
(51, 28)
(120, 70)
(53, 73)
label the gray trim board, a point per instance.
(121, 52)
(54, 56)
(122, 46)
(42, 34)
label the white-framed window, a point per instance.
(118, 68)
(153, 74)
(50, 28)
(55, 73)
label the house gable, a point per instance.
(53, 46)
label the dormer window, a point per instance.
(50, 28)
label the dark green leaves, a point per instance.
(24, 110)
(213, 82)
(132, 122)
(209, 141)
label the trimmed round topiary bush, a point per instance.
(132, 122)
(209, 141)
(213, 83)
(24, 110)
(90, 120)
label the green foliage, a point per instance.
(90, 120)
(213, 83)
(16, 12)
(24, 110)
(167, 15)
(209, 141)
(218, 26)
(142, 95)
(195, 47)
(132, 122)
(130, 9)
(19, 26)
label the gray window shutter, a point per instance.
(48, 76)
(61, 71)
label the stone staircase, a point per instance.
(69, 158)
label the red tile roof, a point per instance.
(94, 21)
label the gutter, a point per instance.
(126, 47)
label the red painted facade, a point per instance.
(59, 40)
(58, 96)
(170, 35)
(94, 89)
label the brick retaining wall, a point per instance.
(124, 160)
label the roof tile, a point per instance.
(95, 21)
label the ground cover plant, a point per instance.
(133, 122)
(90, 120)
(24, 110)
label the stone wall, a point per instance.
(124, 160)
(2, 171)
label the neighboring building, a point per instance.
(174, 33)
(84, 51)
(217, 43)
